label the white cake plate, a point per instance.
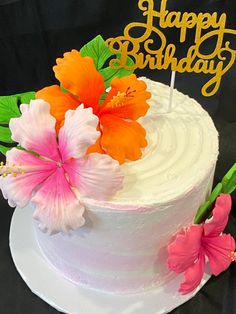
(67, 297)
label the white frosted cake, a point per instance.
(112, 178)
(122, 246)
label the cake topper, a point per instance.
(152, 50)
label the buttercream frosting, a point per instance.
(122, 246)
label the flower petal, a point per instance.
(215, 225)
(184, 250)
(79, 75)
(193, 275)
(218, 250)
(59, 102)
(57, 208)
(96, 148)
(96, 176)
(35, 129)
(78, 132)
(18, 189)
(127, 98)
(122, 139)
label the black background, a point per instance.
(32, 34)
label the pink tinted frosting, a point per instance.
(121, 251)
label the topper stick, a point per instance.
(172, 85)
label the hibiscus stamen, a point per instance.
(6, 169)
(130, 92)
(233, 256)
(120, 99)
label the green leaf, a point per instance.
(99, 51)
(231, 185)
(227, 186)
(9, 105)
(215, 193)
(205, 210)
(201, 212)
(108, 73)
(5, 135)
(229, 180)
(4, 149)
(102, 98)
(8, 108)
(25, 98)
(65, 91)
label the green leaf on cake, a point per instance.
(4, 149)
(201, 212)
(9, 105)
(99, 51)
(65, 91)
(205, 210)
(227, 186)
(231, 185)
(9, 108)
(5, 135)
(229, 181)
(215, 193)
(25, 98)
(102, 98)
(109, 73)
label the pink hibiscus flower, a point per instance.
(55, 178)
(188, 251)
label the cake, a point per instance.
(122, 246)
(119, 183)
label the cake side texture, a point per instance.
(122, 246)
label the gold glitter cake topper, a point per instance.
(145, 54)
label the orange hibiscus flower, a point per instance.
(122, 137)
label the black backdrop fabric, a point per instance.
(33, 33)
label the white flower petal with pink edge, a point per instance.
(35, 129)
(78, 132)
(18, 189)
(95, 176)
(57, 208)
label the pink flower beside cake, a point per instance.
(190, 249)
